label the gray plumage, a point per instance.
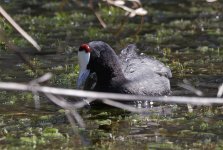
(129, 73)
(148, 76)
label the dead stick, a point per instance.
(102, 95)
(19, 29)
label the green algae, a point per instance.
(187, 40)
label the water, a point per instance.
(187, 36)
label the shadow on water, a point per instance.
(187, 36)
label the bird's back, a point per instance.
(146, 75)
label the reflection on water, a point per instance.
(187, 36)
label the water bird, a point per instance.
(129, 73)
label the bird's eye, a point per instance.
(85, 47)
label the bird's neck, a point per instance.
(108, 69)
(111, 84)
(108, 74)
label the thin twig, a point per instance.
(123, 106)
(16, 50)
(120, 97)
(78, 118)
(67, 106)
(132, 12)
(84, 102)
(19, 29)
(140, 26)
(103, 24)
(72, 121)
(191, 88)
(121, 26)
(85, 141)
(98, 16)
(220, 91)
(41, 79)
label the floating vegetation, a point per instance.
(186, 36)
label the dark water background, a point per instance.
(185, 35)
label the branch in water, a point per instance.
(19, 29)
(114, 96)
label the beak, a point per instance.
(83, 60)
(83, 75)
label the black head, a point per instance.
(103, 61)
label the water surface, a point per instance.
(186, 36)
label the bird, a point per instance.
(102, 70)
